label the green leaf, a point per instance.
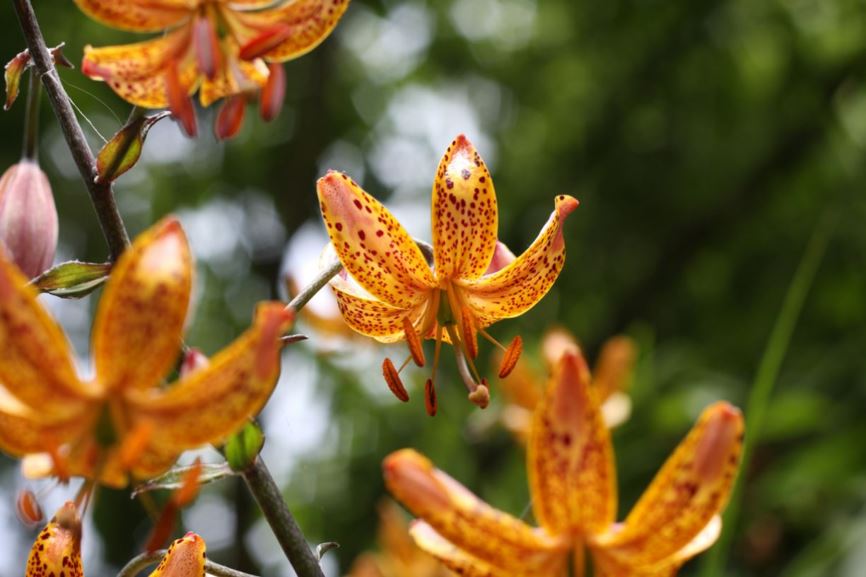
(173, 478)
(124, 149)
(15, 68)
(73, 279)
(242, 448)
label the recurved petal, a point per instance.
(184, 558)
(372, 317)
(234, 76)
(139, 325)
(214, 402)
(57, 549)
(463, 519)
(289, 30)
(466, 564)
(138, 72)
(519, 286)
(375, 249)
(138, 15)
(572, 477)
(465, 217)
(36, 363)
(24, 434)
(687, 493)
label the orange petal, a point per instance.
(230, 117)
(138, 15)
(691, 488)
(22, 435)
(184, 558)
(465, 217)
(179, 101)
(614, 366)
(369, 316)
(234, 76)
(57, 549)
(289, 30)
(570, 459)
(462, 518)
(207, 47)
(215, 401)
(139, 324)
(375, 249)
(519, 286)
(137, 72)
(274, 92)
(36, 362)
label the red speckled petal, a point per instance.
(214, 402)
(234, 77)
(57, 549)
(375, 249)
(138, 72)
(36, 362)
(138, 15)
(372, 317)
(519, 286)
(691, 488)
(289, 30)
(463, 519)
(23, 434)
(570, 459)
(139, 325)
(465, 218)
(467, 565)
(184, 558)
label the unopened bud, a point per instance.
(193, 360)
(28, 218)
(57, 549)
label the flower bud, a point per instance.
(28, 218)
(57, 549)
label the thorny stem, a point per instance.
(101, 194)
(266, 493)
(31, 119)
(137, 564)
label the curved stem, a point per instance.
(138, 564)
(303, 297)
(31, 119)
(101, 194)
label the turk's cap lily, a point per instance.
(124, 421)
(57, 549)
(573, 489)
(391, 293)
(28, 218)
(225, 49)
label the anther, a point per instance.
(392, 377)
(28, 509)
(470, 337)
(430, 402)
(414, 342)
(511, 356)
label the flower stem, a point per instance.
(31, 119)
(101, 194)
(266, 493)
(137, 564)
(303, 297)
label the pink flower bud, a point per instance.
(28, 218)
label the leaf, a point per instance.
(124, 149)
(174, 478)
(15, 69)
(73, 279)
(242, 448)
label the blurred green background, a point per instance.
(705, 139)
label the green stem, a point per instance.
(138, 564)
(31, 118)
(765, 380)
(303, 297)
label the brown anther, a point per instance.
(430, 401)
(392, 377)
(414, 342)
(470, 335)
(135, 443)
(511, 356)
(480, 396)
(190, 485)
(28, 509)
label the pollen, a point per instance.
(430, 402)
(512, 355)
(414, 342)
(392, 377)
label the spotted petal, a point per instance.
(24, 434)
(519, 286)
(370, 316)
(36, 362)
(465, 217)
(463, 519)
(57, 549)
(138, 15)
(214, 402)
(570, 459)
(138, 72)
(688, 492)
(375, 249)
(234, 76)
(139, 326)
(184, 558)
(289, 30)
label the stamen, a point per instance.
(470, 336)
(414, 342)
(61, 467)
(135, 443)
(512, 354)
(28, 509)
(430, 401)
(490, 338)
(392, 378)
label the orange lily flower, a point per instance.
(573, 486)
(394, 294)
(613, 370)
(123, 421)
(232, 49)
(399, 556)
